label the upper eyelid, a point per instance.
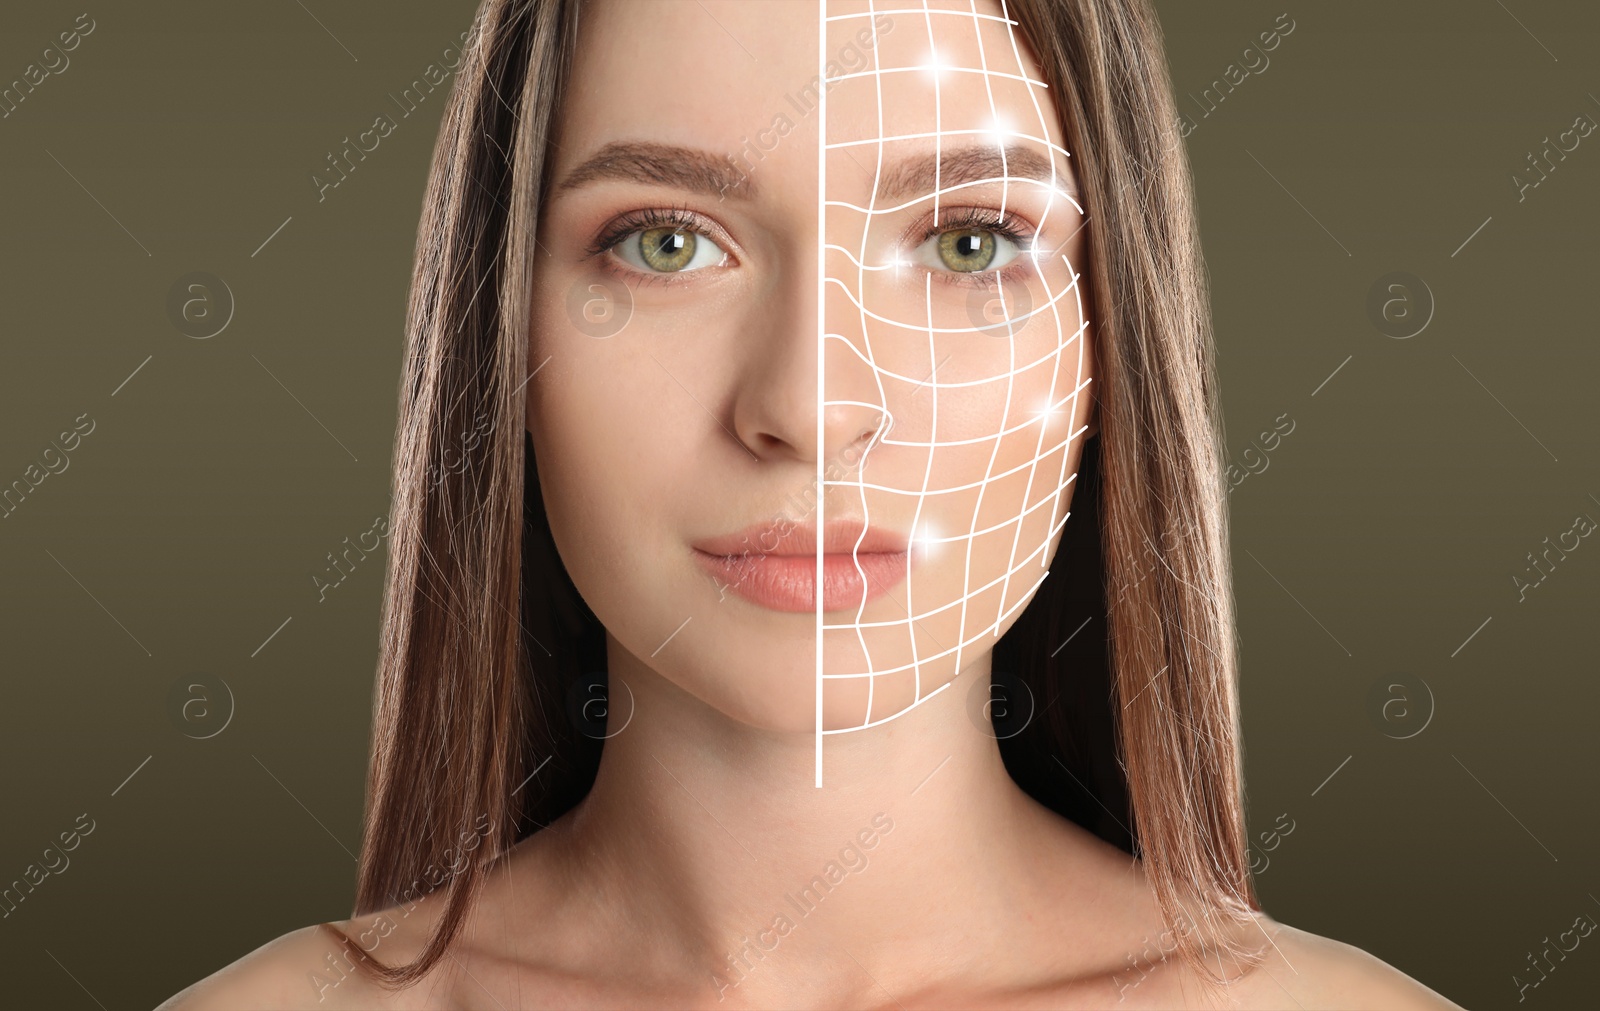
(613, 231)
(994, 220)
(645, 276)
(1009, 223)
(925, 228)
(1003, 221)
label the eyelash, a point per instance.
(1004, 224)
(655, 217)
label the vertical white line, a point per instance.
(822, 327)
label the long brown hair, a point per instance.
(487, 648)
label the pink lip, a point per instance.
(775, 564)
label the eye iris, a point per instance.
(967, 250)
(667, 249)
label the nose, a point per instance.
(778, 402)
(853, 396)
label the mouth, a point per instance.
(775, 565)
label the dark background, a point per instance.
(1374, 545)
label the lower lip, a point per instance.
(789, 582)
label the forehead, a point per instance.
(911, 74)
(706, 73)
(908, 78)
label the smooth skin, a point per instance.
(958, 889)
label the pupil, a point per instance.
(667, 249)
(967, 250)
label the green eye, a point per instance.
(669, 249)
(666, 249)
(967, 250)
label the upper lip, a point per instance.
(786, 537)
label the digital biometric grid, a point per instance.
(969, 341)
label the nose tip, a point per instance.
(850, 429)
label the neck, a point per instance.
(710, 837)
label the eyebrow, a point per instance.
(965, 165)
(652, 164)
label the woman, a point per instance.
(748, 390)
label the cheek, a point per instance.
(1008, 445)
(629, 462)
(1003, 432)
(1028, 483)
(999, 478)
(607, 450)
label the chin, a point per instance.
(773, 687)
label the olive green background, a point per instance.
(1377, 546)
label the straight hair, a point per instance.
(490, 663)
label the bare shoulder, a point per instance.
(1322, 972)
(329, 966)
(306, 968)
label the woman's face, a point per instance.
(735, 361)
